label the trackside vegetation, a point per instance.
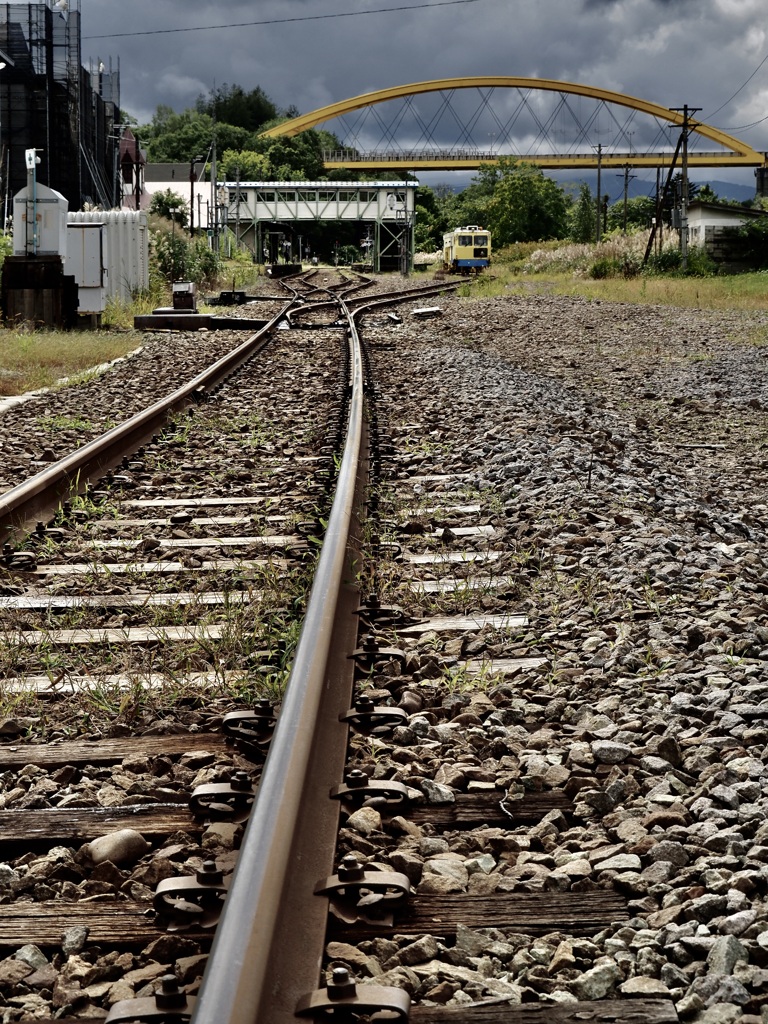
(546, 237)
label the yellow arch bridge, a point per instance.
(461, 123)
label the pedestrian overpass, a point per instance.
(267, 216)
(460, 123)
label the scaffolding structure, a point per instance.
(51, 103)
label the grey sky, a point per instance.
(672, 52)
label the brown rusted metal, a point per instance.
(342, 996)
(192, 901)
(170, 1003)
(224, 801)
(269, 945)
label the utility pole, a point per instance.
(214, 179)
(599, 217)
(687, 111)
(237, 213)
(627, 178)
(192, 179)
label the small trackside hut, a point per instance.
(467, 249)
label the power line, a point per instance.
(710, 116)
(282, 21)
(742, 127)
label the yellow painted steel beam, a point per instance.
(315, 117)
(547, 163)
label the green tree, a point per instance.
(232, 105)
(583, 216)
(177, 138)
(755, 241)
(430, 223)
(526, 205)
(169, 204)
(245, 164)
(471, 205)
(707, 194)
(640, 212)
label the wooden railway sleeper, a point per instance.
(224, 801)
(358, 790)
(343, 999)
(357, 895)
(368, 719)
(170, 1003)
(192, 901)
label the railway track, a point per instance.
(428, 838)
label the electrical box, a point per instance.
(49, 209)
(87, 260)
(127, 249)
(185, 296)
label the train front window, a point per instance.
(480, 240)
(465, 239)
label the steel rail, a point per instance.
(263, 957)
(40, 495)
(363, 303)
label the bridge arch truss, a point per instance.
(461, 123)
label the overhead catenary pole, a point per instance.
(627, 178)
(214, 178)
(599, 217)
(660, 203)
(192, 178)
(686, 127)
(237, 212)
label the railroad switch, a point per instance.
(251, 730)
(367, 719)
(357, 895)
(224, 801)
(169, 1003)
(369, 653)
(343, 996)
(192, 901)
(358, 790)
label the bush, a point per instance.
(181, 259)
(602, 268)
(670, 261)
(663, 262)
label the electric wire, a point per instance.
(283, 21)
(733, 97)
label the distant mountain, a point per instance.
(730, 190)
(611, 183)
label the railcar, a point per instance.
(467, 249)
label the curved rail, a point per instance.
(39, 496)
(251, 974)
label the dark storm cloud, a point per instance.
(651, 49)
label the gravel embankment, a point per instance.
(620, 454)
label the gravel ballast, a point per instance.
(618, 452)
